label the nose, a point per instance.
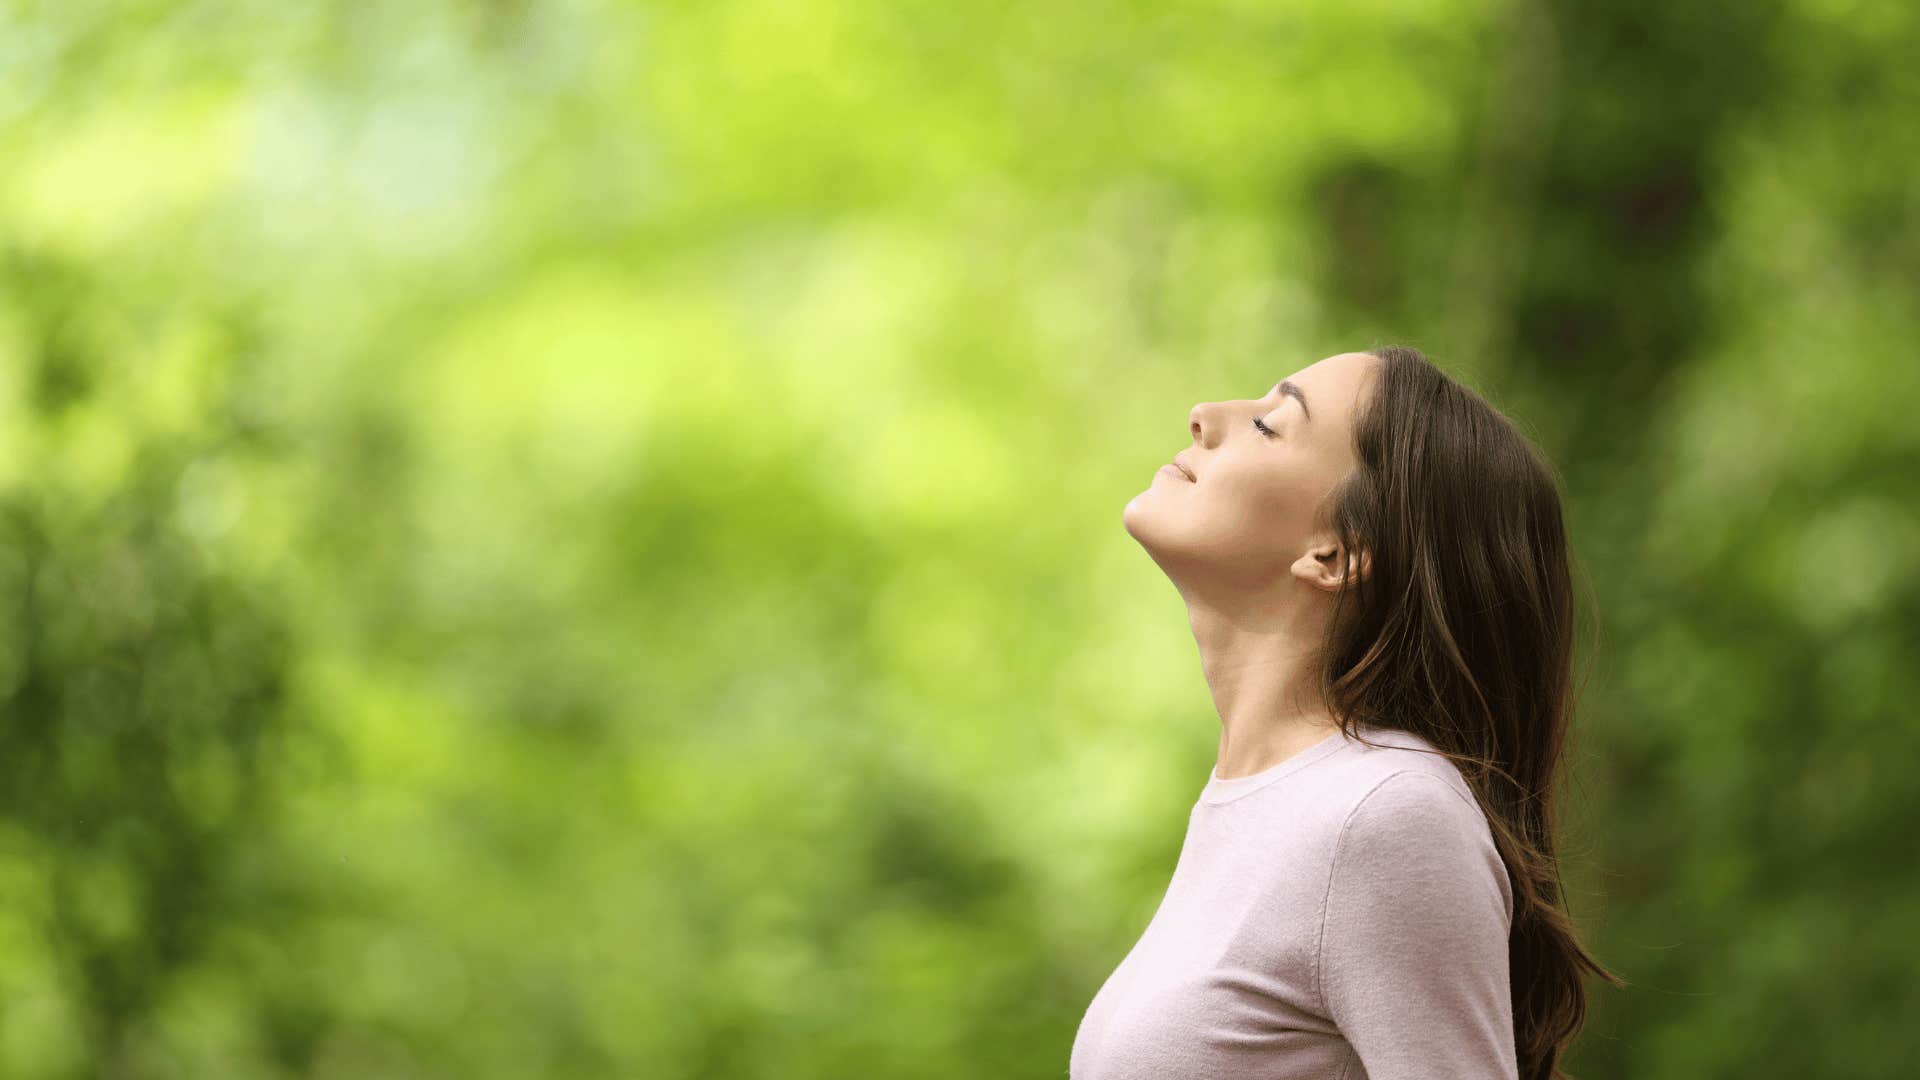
(1194, 426)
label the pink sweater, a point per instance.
(1342, 915)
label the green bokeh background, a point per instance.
(583, 539)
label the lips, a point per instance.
(1184, 471)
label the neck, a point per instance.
(1260, 660)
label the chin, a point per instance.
(1145, 522)
(1134, 515)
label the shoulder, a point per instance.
(1397, 759)
(1409, 803)
(1413, 832)
(1400, 804)
(1401, 781)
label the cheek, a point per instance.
(1270, 493)
(1251, 510)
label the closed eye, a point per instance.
(1264, 429)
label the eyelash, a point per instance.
(1264, 429)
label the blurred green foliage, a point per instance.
(582, 539)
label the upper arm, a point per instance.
(1413, 961)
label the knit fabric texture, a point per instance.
(1340, 915)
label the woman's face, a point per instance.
(1251, 512)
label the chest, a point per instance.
(1222, 982)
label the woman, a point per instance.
(1375, 569)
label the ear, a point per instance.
(1325, 568)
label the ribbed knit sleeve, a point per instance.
(1412, 961)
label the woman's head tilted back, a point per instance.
(1248, 530)
(1417, 536)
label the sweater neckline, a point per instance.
(1220, 790)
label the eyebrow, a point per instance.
(1287, 389)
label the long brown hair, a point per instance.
(1461, 632)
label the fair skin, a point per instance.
(1247, 545)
